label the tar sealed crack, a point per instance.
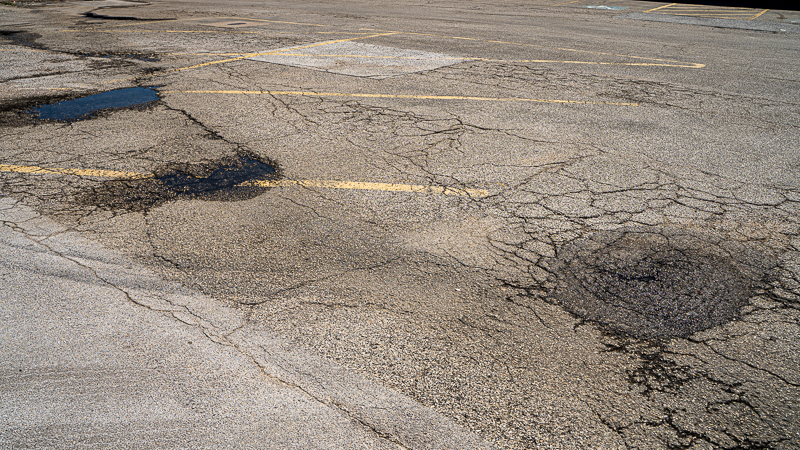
(229, 179)
(653, 283)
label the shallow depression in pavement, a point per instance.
(654, 284)
(81, 107)
(223, 180)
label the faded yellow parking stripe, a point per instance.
(660, 7)
(370, 186)
(405, 96)
(466, 58)
(78, 172)
(659, 61)
(316, 184)
(271, 52)
(101, 30)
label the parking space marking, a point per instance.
(658, 61)
(103, 30)
(78, 172)
(271, 52)
(708, 11)
(314, 184)
(660, 7)
(558, 61)
(370, 186)
(401, 96)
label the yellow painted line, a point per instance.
(660, 7)
(716, 10)
(317, 184)
(374, 56)
(466, 58)
(358, 185)
(403, 96)
(271, 52)
(78, 172)
(567, 3)
(661, 62)
(758, 15)
(97, 30)
(339, 32)
(718, 16)
(319, 44)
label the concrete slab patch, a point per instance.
(359, 60)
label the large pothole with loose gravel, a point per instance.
(655, 283)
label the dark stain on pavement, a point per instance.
(655, 283)
(224, 180)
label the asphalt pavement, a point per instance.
(349, 224)
(100, 352)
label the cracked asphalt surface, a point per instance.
(630, 279)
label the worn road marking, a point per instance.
(466, 58)
(78, 172)
(369, 186)
(99, 30)
(567, 3)
(709, 11)
(660, 7)
(404, 96)
(659, 61)
(271, 52)
(317, 184)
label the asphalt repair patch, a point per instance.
(223, 180)
(656, 283)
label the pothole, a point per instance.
(83, 107)
(656, 283)
(224, 180)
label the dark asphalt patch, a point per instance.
(655, 283)
(84, 107)
(224, 180)
(20, 37)
(218, 181)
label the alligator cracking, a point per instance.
(222, 180)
